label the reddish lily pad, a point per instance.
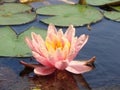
(64, 14)
(14, 45)
(15, 14)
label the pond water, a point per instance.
(104, 43)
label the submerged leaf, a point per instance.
(64, 15)
(112, 15)
(15, 13)
(13, 45)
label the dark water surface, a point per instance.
(104, 43)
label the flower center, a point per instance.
(55, 43)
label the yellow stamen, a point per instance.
(56, 43)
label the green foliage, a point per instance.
(8, 0)
(102, 2)
(15, 13)
(112, 15)
(116, 8)
(64, 14)
(14, 45)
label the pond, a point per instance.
(103, 43)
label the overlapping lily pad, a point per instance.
(64, 15)
(14, 45)
(102, 2)
(112, 15)
(116, 7)
(15, 14)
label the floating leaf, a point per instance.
(102, 2)
(112, 15)
(8, 0)
(15, 13)
(14, 45)
(65, 14)
(116, 7)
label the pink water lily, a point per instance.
(58, 50)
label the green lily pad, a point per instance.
(101, 2)
(14, 45)
(64, 15)
(112, 15)
(116, 8)
(15, 14)
(7, 0)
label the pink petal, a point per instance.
(38, 44)
(72, 49)
(35, 46)
(65, 51)
(70, 33)
(34, 37)
(58, 55)
(61, 65)
(80, 42)
(37, 38)
(78, 67)
(44, 61)
(60, 33)
(41, 70)
(51, 29)
(29, 43)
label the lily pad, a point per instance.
(7, 0)
(14, 45)
(15, 14)
(102, 2)
(64, 14)
(112, 15)
(116, 8)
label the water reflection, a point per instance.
(59, 80)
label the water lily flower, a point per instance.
(57, 51)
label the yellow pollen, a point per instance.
(56, 43)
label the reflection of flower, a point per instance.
(58, 51)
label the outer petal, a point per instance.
(80, 42)
(29, 43)
(61, 65)
(60, 33)
(69, 34)
(43, 70)
(78, 67)
(72, 49)
(51, 29)
(44, 61)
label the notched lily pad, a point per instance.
(102, 2)
(64, 14)
(15, 14)
(14, 45)
(112, 15)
